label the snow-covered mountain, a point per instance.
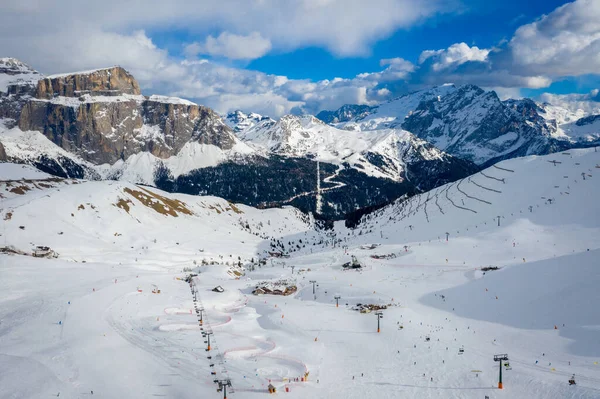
(471, 123)
(384, 154)
(346, 113)
(15, 74)
(239, 121)
(97, 124)
(390, 114)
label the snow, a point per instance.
(119, 342)
(87, 72)
(87, 98)
(306, 136)
(140, 167)
(582, 132)
(20, 73)
(392, 113)
(30, 145)
(170, 100)
(11, 171)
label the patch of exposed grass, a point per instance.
(8, 216)
(162, 205)
(19, 190)
(215, 208)
(123, 204)
(234, 208)
(80, 207)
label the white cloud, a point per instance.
(455, 55)
(232, 46)
(344, 27)
(564, 42)
(578, 103)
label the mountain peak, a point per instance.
(13, 66)
(16, 73)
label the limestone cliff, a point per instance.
(109, 129)
(108, 81)
(101, 116)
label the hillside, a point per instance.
(445, 317)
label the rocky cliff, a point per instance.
(101, 116)
(3, 157)
(108, 81)
(17, 84)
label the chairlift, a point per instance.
(507, 366)
(461, 351)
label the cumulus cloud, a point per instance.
(344, 27)
(588, 103)
(562, 43)
(232, 46)
(455, 55)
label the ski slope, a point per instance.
(120, 342)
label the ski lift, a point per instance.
(461, 351)
(507, 366)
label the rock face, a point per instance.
(109, 81)
(101, 116)
(474, 124)
(3, 157)
(345, 113)
(108, 131)
(17, 84)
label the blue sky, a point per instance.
(303, 56)
(482, 23)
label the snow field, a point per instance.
(122, 343)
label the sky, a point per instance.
(302, 56)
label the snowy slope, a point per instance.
(64, 320)
(307, 136)
(391, 114)
(576, 126)
(15, 72)
(141, 167)
(586, 129)
(31, 146)
(239, 121)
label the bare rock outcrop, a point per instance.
(108, 81)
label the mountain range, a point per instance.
(473, 124)
(97, 125)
